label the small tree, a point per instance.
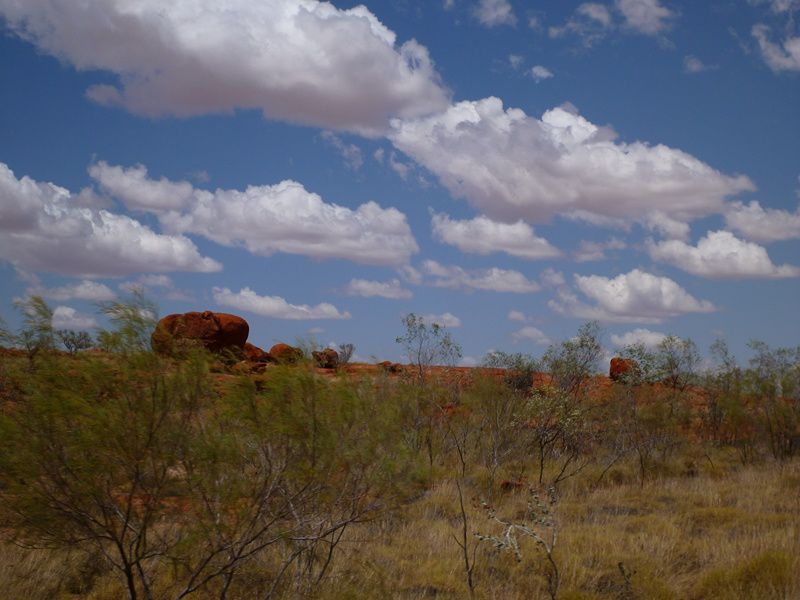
(74, 341)
(133, 319)
(540, 525)
(572, 362)
(346, 353)
(37, 333)
(425, 344)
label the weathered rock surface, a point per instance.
(214, 331)
(327, 358)
(255, 354)
(620, 366)
(286, 354)
(390, 367)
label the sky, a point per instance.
(507, 169)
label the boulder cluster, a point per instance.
(222, 333)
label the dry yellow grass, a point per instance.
(708, 537)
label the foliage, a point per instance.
(427, 344)
(74, 341)
(572, 362)
(36, 335)
(540, 525)
(133, 321)
(171, 482)
(346, 353)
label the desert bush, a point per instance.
(74, 341)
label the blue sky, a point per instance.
(511, 169)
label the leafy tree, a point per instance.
(774, 378)
(572, 362)
(36, 335)
(425, 344)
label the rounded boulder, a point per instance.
(214, 331)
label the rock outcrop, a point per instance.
(390, 367)
(214, 331)
(255, 354)
(326, 359)
(620, 366)
(286, 354)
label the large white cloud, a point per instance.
(634, 297)
(720, 255)
(43, 229)
(275, 306)
(267, 219)
(297, 60)
(481, 235)
(492, 279)
(513, 166)
(763, 224)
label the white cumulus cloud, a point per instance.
(275, 307)
(266, 219)
(720, 255)
(296, 60)
(640, 335)
(492, 279)
(763, 224)
(481, 235)
(383, 289)
(634, 297)
(42, 228)
(511, 166)
(66, 317)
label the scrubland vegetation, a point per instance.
(128, 474)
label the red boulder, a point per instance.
(256, 354)
(286, 354)
(326, 359)
(214, 331)
(620, 366)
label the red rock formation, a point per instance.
(256, 354)
(286, 354)
(326, 359)
(621, 366)
(214, 331)
(390, 367)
